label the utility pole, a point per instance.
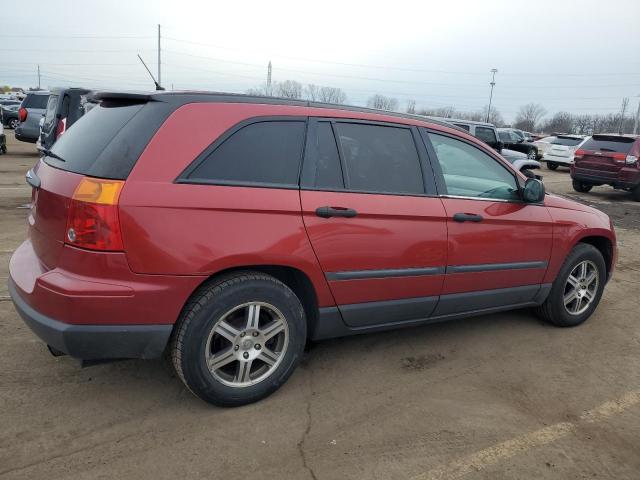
(159, 76)
(635, 124)
(268, 92)
(38, 76)
(623, 110)
(493, 83)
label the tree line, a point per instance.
(530, 117)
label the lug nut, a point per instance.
(245, 355)
(236, 347)
(255, 334)
(258, 346)
(242, 334)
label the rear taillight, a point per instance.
(61, 127)
(631, 159)
(93, 215)
(22, 114)
(621, 157)
(578, 155)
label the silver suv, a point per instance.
(31, 111)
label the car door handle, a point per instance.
(328, 212)
(467, 217)
(32, 179)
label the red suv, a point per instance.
(227, 230)
(608, 160)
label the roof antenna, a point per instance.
(158, 87)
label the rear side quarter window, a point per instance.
(260, 153)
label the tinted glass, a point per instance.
(485, 134)
(469, 172)
(84, 143)
(569, 142)
(264, 152)
(50, 114)
(462, 125)
(36, 101)
(505, 136)
(328, 173)
(380, 159)
(609, 144)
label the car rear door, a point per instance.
(373, 219)
(499, 247)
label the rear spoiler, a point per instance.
(133, 97)
(614, 138)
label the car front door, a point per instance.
(499, 246)
(374, 220)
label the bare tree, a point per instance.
(262, 91)
(495, 116)
(445, 112)
(561, 122)
(623, 110)
(312, 92)
(332, 95)
(382, 103)
(411, 106)
(288, 89)
(528, 116)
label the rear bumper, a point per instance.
(24, 136)
(94, 342)
(559, 160)
(627, 178)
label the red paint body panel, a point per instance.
(508, 233)
(390, 231)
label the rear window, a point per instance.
(259, 153)
(462, 125)
(487, 135)
(609, 144)
(567, 141)
(36, 101)
(107, 141)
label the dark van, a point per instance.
(65, 107)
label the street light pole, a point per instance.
(493, 82)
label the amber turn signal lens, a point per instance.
(93, 190)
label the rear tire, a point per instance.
(552, 165)
(532, 154)
(636, 193)
(223, 346)
(581, 186)
(568, 303)
(13, 123)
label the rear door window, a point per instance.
(487, 135)
(36, 101)
(567, 141)
(50, 114)
(266, 152)
(609, 144)
(380, 159)
(322, 169)
(462, 125)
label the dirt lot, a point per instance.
(496, 397)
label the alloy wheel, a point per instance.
(581, 287)
(247, 344)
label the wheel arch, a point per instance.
(604, 246)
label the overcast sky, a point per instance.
(580, 56)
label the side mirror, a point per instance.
(533, 191)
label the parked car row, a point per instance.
(45, 115)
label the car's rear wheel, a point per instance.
(581, 187)
(532, 154)
(239, 338)
(552, 165)
(577, 289)
(13, 123)
(636, 193)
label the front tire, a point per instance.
(239, 338)
(577, 289)
(532, 154)
(552, 165)
(581, 186)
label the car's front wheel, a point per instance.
(532, 154)
(581, 186)
(577, 289)
(239, 338)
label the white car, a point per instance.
(544, 144)
(562, 149)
